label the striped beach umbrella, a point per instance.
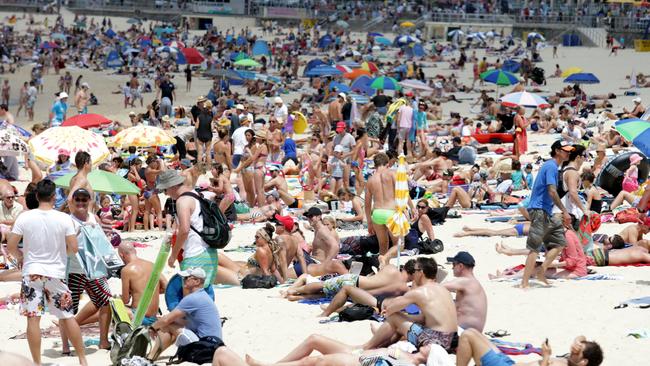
(524, 99)
(142, 136)
(499, 77)
(636, 131)
(385, 83)
(399, 224)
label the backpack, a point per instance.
(216, 231)
(199, 352)
(368, 262)
(430, 246)
(258, 281)
(356, 312)
(127, 343)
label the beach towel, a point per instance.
(631, 265)
(600, 277)
(515, 348)
(320, 301)
(641, 302)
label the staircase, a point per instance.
(593, 37)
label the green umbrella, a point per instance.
(247, 62)
(499, 77)
(637, 131)
(385, 83)
(103, 182)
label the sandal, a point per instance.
(498, 334)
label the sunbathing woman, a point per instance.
(518, 230)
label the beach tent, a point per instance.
(414, 50)
(110, 33)
(325, 41)
(362, 85)
(261, 48)
(241, 40)
(113, 60)
(313, 63)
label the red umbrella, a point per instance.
(192, 55)
(86, 120)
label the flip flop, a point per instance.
(498, 334)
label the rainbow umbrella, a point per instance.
(370, 67)
(499, 77)
(637, 131)
(399, 224)
(142, 136)
(385, 83)
(103, 182)
(47, 145)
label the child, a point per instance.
(631, 179)
(336, 169)
(517, 176)
(529, 175)
(105, 213)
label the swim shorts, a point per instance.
(420, 336)
(546, 230)
(332, 286)
(520, 229)
(380, 216)
(492, 358)
(308, 260)
(600, 256)
(98, 290)
(37, 290)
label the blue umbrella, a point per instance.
(375, 34)
(313, 63)
(180, 59)
(383, 41)
(325, 41)
(110, 33)
(350, 64)
(405, 40)
(323, 70)
(339, 87)
(260, 48)
(362, 85)
(582, 78)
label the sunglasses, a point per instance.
(422, 206)
(81, 200)
(9, 198)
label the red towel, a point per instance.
(631, 265)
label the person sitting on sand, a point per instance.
(474, 345)
(279, 184)
(471, 300)
(325, 247)
(633, 234)
(636, 112)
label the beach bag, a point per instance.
(356, 312)
(258, 281)
(628, 215)
(199, 352)
(216, 231)
(431, 246)
(368, 261)
(127, 345)
(96, 254)
(437, 215)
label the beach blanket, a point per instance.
(600, 277)
(515, 348)
(319, 301)
(88, 330)
(641, 302)
(631, 265)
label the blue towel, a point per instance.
(412, 309)
(322, 300)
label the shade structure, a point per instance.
(499, 77)
(415, 85)
(11, 143)
(570, 71)
(49, 143)
(356, 73)
(103, 182)
(88, 120)
(323, 70)
(248, 62)
(636, 131)
(192, 56)
(398, 224)
(582, 78)
(407, 24)
(344, 69)
(524, 99)
(369, 66)
(383, 41)
(142, 136)
(385, 83)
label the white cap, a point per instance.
(338, 148)
(85, 85)
(342, 95)
(277, 100)
(239, 106)
(63, 95)
(194, 272)
(637, 100)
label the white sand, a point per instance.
(268, 327)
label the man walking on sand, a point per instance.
(48, 237)
(380, 201)
(471, 301)
(546, 228)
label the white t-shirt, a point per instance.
(466, 131)
(194, 245)
(281, 113)
(44, 249)
(239, 140)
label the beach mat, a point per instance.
(641, 302)
(631, 265)
(515, 348)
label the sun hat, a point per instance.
(277, 100)
(239, 106)
(635, 159)
(63, 95)
(63, 151)
(260, 134)
(194, 272)
(169, 178)
(637, 100)
(342, 95)
(224, 122)
(201, 99)
(85, 85)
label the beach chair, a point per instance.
(646, 115)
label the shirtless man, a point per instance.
(222, 149)
(380, 201)
(434, 168)
(5, 115)
(279, 184)
(152, 201)
(633, 234)
(473, 344)
(135, 275)
(81, 99)
(325, 248)
(471, 301)
(436, 323)
(134, 84)
(334, 109)
(290, 250)
(80, 180)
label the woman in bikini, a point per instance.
(259, 157)
(247, 169)
(266, 259)
(133, 199)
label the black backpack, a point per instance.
(199, 352)
(437, 215)
(356, 312)
(430, 246)
(216, 231)
(258, 281)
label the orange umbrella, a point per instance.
(370, 67)
(356, 73)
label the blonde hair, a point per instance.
(331, 220)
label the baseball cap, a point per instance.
(462, 257)
(194, 272)
(340, 126)
(313, 211)
(342, 95)
(338, 148)
(64, 152)
(81, 192)
(561, 144)
(409, 94)
(637, 100)
(63, 95)
(286, 221)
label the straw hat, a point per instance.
(201, 99)
(224, 122)
(260, 134)
(207, 104)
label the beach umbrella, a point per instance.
(11, 143)
(499, 77)
(524, 99)
(342, 24)
(404, 40)
(133, 21)
(325, 41)
(180, 59)
(582, 78)
(103, 182)
(192, 56)
(344, 69)
(477, 35)
(350, 64)
(166, 49)
(129, 50)
(352, 75)
(324, 70)
(86, 121)
(339, 87)
(46, 146)
(110, 33)
(385, 83)
(349, 53)
(370, 67)
(535, 35)
(142, 136)
(636, 131)
(398, 224)
(375, 34)
(570, 71)
(362, 85)
(248, 62)
(260, 48)
(383, 41)
(407, 24)
(456, 33)
(237, 56)
(17, 129)
(176, 44)
(415, 84)
(224, 74)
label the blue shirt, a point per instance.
(539, 197)
(58, 110)
(529, 180)
(201, 314)
(289, 148)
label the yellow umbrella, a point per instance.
(570, 71)
(399, 224)
(142, 136)
(407, 24)
(47, 146)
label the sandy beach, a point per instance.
(262, 324)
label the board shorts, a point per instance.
(600, 257)
(380, 216)
(545, 230)
(98, 290)
(332, 286)
(493, 358)
(421, 336)
(36, 291)
(208, 260)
